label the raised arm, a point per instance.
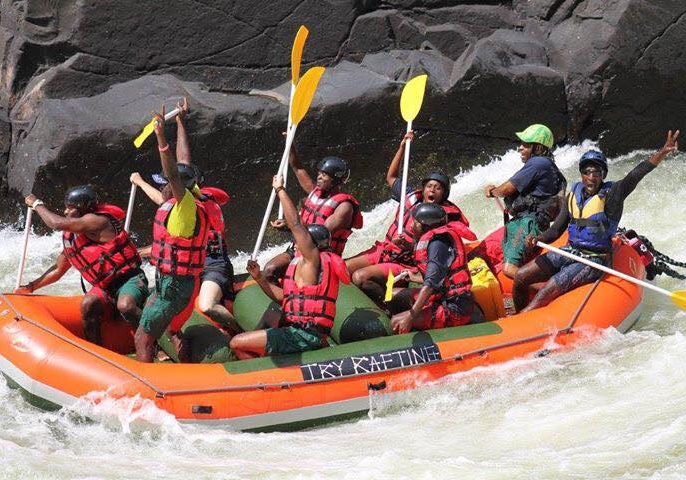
(183, 150)
(153, 193)
(394, 168)
(304, 179)
(167, 159)
(671, 145)
(272, 291)
(302, 237)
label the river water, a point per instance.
(612, 408)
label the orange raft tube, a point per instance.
(43, 353)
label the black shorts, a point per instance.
(218, 269)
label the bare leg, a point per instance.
(209, 303)
(145, 345)
(91, 314)
(372, 281)
(357, 262)
(249, 344)
(510, 270)
(532, 272)
(544, 296)
(126, 304)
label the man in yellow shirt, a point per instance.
(180, 232)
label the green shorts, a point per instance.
(514, 243)
(292, 339)
(171, 296)
(137, 287)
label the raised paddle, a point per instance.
(302, 99)
(129, 209)
(150, 127)
(296, 57)
(410, 104)
(678, 297)
(22, 262)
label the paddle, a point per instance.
(390, 282)
(501, 206)
(410, 104)
(129, 209)
(296, 57)
(22, 262)
(150, 127)
(678, 297)
(302, 99)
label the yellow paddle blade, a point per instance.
(679, 298)
(147, 131)
(412, 97)
(297, 53)
(389, 287)
(304, 93)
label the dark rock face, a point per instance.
(78, 80)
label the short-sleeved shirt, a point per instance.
(538, 177)
(181, 220)
(440, 255)
(397, 188)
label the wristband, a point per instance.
(36, 203)
(279, 189)
(163, 149)
(490, 192)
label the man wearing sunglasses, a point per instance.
(591, 215)
(533, 196)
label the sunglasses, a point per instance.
(591, 171)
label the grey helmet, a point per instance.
(429, 214)
(441, 178)
(82, 197)
(320, 236)
(335, 167)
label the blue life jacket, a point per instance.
(589, 227)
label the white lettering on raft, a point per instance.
(375, 362)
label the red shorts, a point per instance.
(374, 257)
(441, 315)
(107, 303)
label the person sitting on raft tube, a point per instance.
(445, 298)
(217, 275)
(394, 254)
(325, 205)
(180, 232)
(533, 195)
(591, 215)
(96, 244)
(308, 297)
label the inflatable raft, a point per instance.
(42, 352)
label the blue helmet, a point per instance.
(595, 157)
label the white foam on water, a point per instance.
(611, 408)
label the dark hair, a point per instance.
(541, 150)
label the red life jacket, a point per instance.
(177, 255)
(393, 253)
(314, 306)
(317, 208)
(213, 198)
(102, 263)
(457, 280)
